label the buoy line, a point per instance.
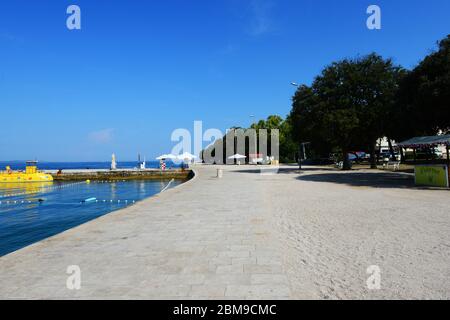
(61, 186)
(40, 201)
(47, 188)
(40, 190)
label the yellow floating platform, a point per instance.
(31, 174)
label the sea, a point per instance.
(30, 212)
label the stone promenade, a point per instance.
(208, 238)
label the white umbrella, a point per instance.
(166, 156)
(161, 157)
(186, 156)
(237, 156)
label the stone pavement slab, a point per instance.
(206, 238)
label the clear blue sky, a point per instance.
(139, 69)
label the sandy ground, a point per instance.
(292, 235)
(336, 224)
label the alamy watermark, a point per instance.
(257, 146)
(73, 281)
(374, 20)
(373, 282)
(73, 22)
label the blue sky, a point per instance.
(137, 70)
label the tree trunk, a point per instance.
(373, 157)
(346, 162)
(447, 149)
(379, 152)
(391, 149)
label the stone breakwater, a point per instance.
(122, 175)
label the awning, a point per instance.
(427, 141)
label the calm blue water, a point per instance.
(28, 220)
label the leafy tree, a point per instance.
(347, 104)
(287, 145)
(423, 99)
(306, 122)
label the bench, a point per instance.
(395, 165)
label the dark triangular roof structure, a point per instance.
(426, 141)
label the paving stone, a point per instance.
(230, 269)
(208, 238)
(210, 291)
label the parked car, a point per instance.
(357, 156)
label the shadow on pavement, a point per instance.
(284, 170)
(363, 179)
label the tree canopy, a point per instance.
(353, 102)
(347, 104)
(423, 106)
(288, 148)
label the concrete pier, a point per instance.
(112, 175)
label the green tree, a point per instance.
(347, 104)
(306, 122)
(424, 95)
(287, 145)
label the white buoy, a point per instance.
(89, 200)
